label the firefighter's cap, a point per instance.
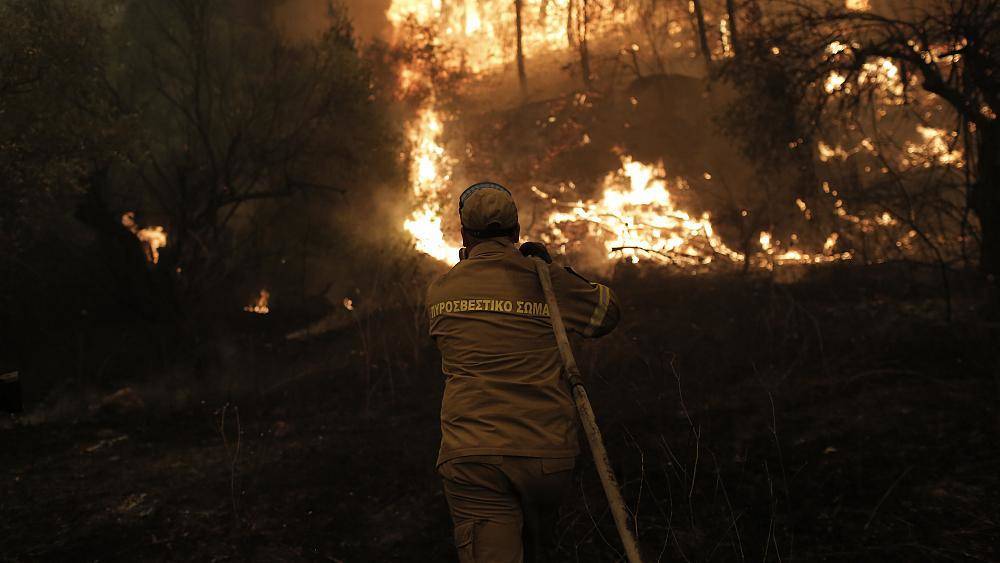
(487, 210)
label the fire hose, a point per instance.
(587, 419)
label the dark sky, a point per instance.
(309, 16)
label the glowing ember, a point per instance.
(727, 37)
(837, 47)
(885, 75)
(886, 219)
(831, 242)
(765, 241)
(260, 306)
(938, 147)
(834, 82)
(827, 153)
(348, 304)
(791, 256)
(881, 73)
(152, 238)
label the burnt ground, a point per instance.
(841, 417)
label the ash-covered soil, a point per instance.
(841, 417)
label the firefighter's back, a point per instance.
(504, 394)
(508, 423)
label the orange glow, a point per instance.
(938, 147)
(483, 30)
(633, 215)
(636, 218)
(262, 305)
(152, 238)
(430, 177)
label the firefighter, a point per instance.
(508, 424)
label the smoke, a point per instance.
(309, 18)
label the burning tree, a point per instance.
(864, 77)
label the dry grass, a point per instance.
(746, 421)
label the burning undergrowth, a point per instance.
(636, 170)
(266, 379)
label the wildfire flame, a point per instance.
(483, 30)
(261, 305)
(152, 238)
(938, 147)
(636, 218)
(430, 174)
(774, 254)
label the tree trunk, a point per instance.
(733, 41)
(570, 33)
(522, 75)
(699, 17)
(584, 21)
(984, 199)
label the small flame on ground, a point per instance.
(261, 306)
(772, 250)
(831, 242)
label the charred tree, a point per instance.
(583, 22)
(699, 20)
(522, 74)
(984, 197)
(733, 35)
(570, 18)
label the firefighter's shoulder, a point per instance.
(577, 274)
(569, 275)
(443, 285)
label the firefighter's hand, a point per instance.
(536, 249)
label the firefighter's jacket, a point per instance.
(504, 390)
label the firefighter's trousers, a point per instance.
(504, 507)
